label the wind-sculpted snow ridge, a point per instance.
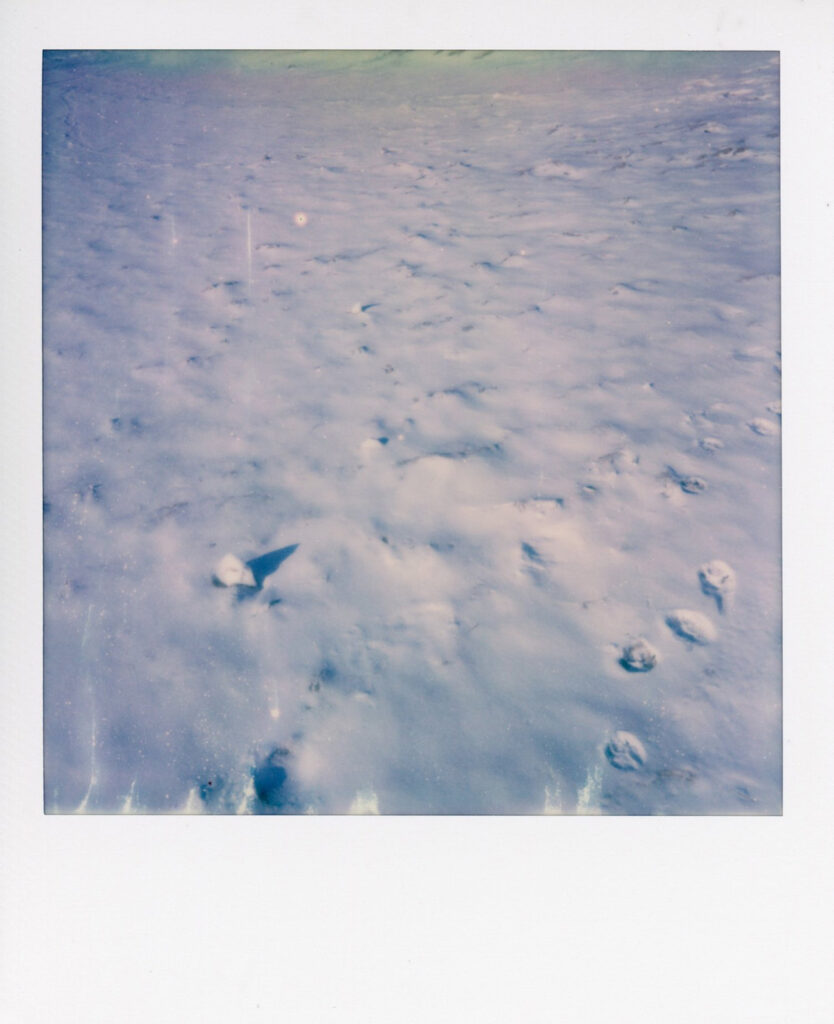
(400, 412)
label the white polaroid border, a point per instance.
(427, 919)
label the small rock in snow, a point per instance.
(692, 626)
(231, 572)
(625, 751)
(639, 656)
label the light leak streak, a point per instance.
(552, 799)
(85, 638)
(249, 246)
(587, 799)
(129, 807)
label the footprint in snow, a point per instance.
(693, 485)
(688, 484)
(691, 626)
(625, 751)
(639, 657)
(270, 778)
(763, 427)
(717, 580)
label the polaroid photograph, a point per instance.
(413, 608)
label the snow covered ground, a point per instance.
(471, 361)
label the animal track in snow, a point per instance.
(692, 626)
(717, 580)
(625, 751)
(639, 656)
(688, 484)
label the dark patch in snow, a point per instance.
(266, 565)
(531, 552)
(270, 779)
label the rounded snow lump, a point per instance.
(231, 572)
(639, 656)
(625, 751)
(717, 579)
(691, 626)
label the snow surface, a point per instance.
(470, 361)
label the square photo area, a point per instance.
(412, 432)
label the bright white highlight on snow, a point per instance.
(423, 510)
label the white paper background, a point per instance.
(401, 919)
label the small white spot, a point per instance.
(300, 219)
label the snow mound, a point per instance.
(231, 572)
(692, 626)
(625, 751)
